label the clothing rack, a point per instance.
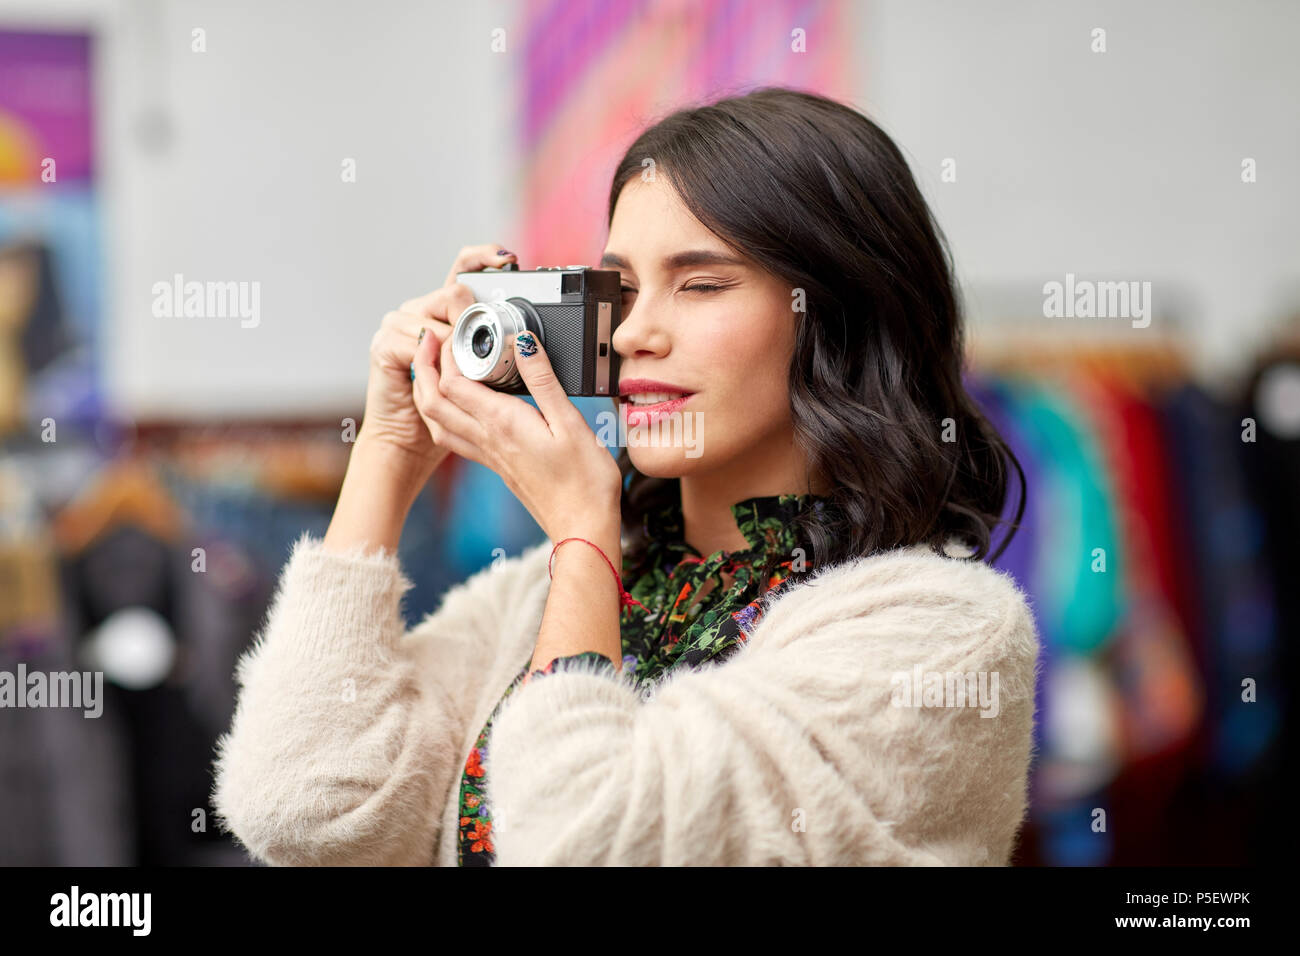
(1123, 430)
(1154, 361)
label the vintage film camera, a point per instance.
(572, 310)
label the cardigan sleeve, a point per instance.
(347, 731)
(797, 750)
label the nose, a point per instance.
(640, 334)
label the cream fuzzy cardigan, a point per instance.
(350, 732)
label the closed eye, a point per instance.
(704, 287)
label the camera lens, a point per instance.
(481, 336)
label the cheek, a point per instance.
(750, 372)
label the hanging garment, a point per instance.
(1230, 559)
(65, 799)
(1151, 656)
(217, 612)
(1018, 557)
(1080, 600)
(1272, 464)
(1077, 606)
(1151, 659)
(126, 571)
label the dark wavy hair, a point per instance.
(815, 193)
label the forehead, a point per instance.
(651, 221)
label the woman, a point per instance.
(806, 589)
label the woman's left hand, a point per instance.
(548, 456)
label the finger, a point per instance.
(396, 340)
(443, 436)
(402, 329)
(475, 258)
(431, 402)
(400, 334)
(444, 305)
(459, 298)
(393, 344)
(487, 406)
(535, 369)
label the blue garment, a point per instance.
(1234, 592)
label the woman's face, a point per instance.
(700, 321)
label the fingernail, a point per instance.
(420, 338)
(526, 344)
(504, 252)
(412, 371)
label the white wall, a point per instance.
(1113, 166)
(248, 187)
(1122, 165)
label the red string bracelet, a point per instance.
(625, 599)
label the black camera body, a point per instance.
(572, 310)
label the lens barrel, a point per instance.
(483, 339)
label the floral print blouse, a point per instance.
(690, 617)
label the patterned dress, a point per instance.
(691, 617)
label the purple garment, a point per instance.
(1018, 558)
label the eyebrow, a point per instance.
(678, 260)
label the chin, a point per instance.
(669, 446)
(665, 462)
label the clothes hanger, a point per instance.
(125, 492)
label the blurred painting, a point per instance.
(51, 301)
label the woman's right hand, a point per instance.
(391, 419)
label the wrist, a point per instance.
(607, 537)
(394, 465)
(573, 559)
(379, 488)
(578, 547)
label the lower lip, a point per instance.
(649, 414)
